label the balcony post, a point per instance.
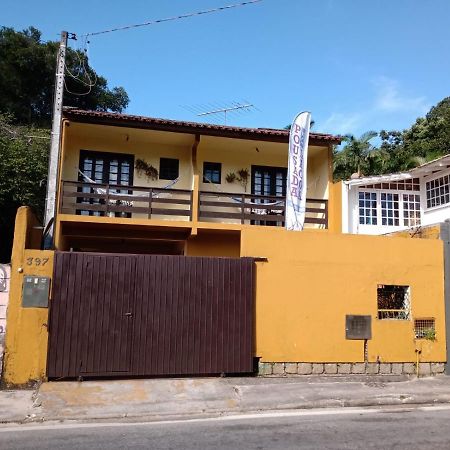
(196, 181)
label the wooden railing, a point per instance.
(256, 209)
(124, 201)
(148, 202)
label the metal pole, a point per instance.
(52, 178)
(445, 237)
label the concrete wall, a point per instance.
(313, 279)
(25, 356)
(5, 273)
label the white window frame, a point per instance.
(428, 179)
(387, 228)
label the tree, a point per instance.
(357, 156)
(23, 172)
(27, 70)
(429, 137)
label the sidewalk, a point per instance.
(157, 399)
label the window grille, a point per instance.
(438, 191)
(424, 329)
(403, 185)
(368, 208)
(393, 302)
(411, 210)
(390, 212)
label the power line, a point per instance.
(167, 19)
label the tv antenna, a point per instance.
(218, 110)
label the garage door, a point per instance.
(148, 315)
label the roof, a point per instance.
(425, 169)
(179, 126)
(432, 166)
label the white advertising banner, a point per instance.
(296, 177)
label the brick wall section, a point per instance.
(296, 369)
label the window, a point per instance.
(411, 210)
(412, 184)
(390, 213)
(388, 209)
(393, 302)
(425, 329)
(212, 172)
(104, 168)
(368, 208)
(169, 168)
(438, 191)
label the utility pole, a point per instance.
(52, 178)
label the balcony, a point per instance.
(135, 202)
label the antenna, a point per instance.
(215, 109)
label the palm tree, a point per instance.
(358, 156)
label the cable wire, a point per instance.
(167, 19)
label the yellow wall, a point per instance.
(213, 244)
(423, 232)
(313, 279)
(233, 154)
(26, 337)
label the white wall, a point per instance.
(435, 214)
(5, 273)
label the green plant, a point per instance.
(429, 334)
(143, 167)
(242, 177)
(230, 177)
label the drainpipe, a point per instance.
(445, 237)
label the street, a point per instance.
(344, 428)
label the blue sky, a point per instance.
(356, 65)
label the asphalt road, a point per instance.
(393, 428)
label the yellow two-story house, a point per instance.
(171, 258)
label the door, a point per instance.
(150, 315)
(271, 181)
(104, 168)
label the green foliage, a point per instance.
(358, 156)
(430, 334)
(27, 71)
(23, 171)
(427, 139)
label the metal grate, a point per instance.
(358, 327)
(393, 302)
(425, 329)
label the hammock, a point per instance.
(248, 204)
(100, 190)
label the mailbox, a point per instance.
(35, 292)
(358, 327)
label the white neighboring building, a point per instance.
(388, 203)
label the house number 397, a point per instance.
(37, 261)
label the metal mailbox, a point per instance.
(358, 327)
(35, 292)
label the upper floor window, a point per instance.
(438, 191)
(389, 209)
(169, 168)
(390, 212)
(212, 172)
(368, 208)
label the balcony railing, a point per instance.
(124, 201)
(155, 203)
(256, 209)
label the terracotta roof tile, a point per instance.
(267, 134)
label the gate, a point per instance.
(150, 315)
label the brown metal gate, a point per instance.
(148, 315)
